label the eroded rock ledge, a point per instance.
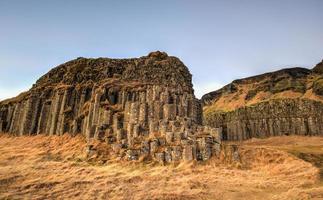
(138, 107)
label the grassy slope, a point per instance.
(309, 149)
(44, 167)
(232, 101)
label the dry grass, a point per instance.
(51, 167)
(235, 100)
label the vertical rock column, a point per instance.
(54, 114)
(15, 116)
(92, 117)
(44, 117)
(33, 116)
(61, 115)
(1, 126)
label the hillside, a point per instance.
(284, 102)
(286, 83)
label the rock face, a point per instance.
(272, 118)
(318, 68)
(285, 102)
(139, 107)
(293, 82)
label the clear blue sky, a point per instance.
(218, 40)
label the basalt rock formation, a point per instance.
(272, 118)
(140, 107)
(285, 102)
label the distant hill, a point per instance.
(286, 83)
(284, 102)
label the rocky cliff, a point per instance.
(271, 118)
(285, 102)
(140, 107)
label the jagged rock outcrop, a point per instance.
(318, 68)
(285, 102)
(139, 107)
(318, 84)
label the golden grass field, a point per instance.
(53, 167)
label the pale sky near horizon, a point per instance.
(219, 41)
